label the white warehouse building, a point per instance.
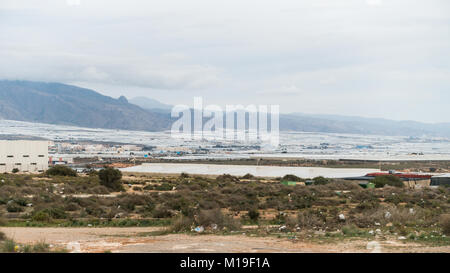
(24, 155)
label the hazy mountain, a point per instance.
(150, 104)
(57, 103)
(360, 125)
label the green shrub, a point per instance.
(60, 170)
(161, 212)
(13, 207)
(182, 224)
(56, 213)
(41, 216)
(111, 178)
(40, 247)
(164, 187)
(184, 175)
(351, 230)
(320, 180)
(227, 178)
(311, 219)
(291, 177)
(248, 176)
(391, 180)
(253, 214)
(15, 170)
(445, 224)
(8, 246)
(207, 218)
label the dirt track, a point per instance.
(134, 239)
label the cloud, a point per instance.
(318, 55)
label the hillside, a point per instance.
(360, 125)
(57, 103)
(150, 104)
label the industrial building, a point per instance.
(23, 155)
(441, 180)
(411, 180)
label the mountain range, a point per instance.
(57, 103)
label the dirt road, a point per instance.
(136, 239)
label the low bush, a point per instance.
(8, 246)
(320, 180)
(248, 176)
(41, 216)
(445, 224)
(60, 170)
(161, 212)
(227, 178)
(351, 230)
(208, 218)
(13, 207)
(253, 214)
(182, 224)
(291, 177)
(391, 180)
(311, 219)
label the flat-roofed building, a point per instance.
(24, 155)
(443, 179)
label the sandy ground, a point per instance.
(134, 239)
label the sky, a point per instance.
(370, 58)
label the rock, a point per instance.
(74, 247)
(377, 224)
(378, 231)
(282, 228)
(401, 238)
(411, 211)
(371, 232)
(387, 215)
(29, 204)
(374, 246)
(341, 217)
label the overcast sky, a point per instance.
(372, 58)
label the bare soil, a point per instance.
(138, 240)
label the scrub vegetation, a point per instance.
(224, 204)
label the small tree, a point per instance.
(61, 171)
(15, 170)
(253, 214)
(110, 178)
